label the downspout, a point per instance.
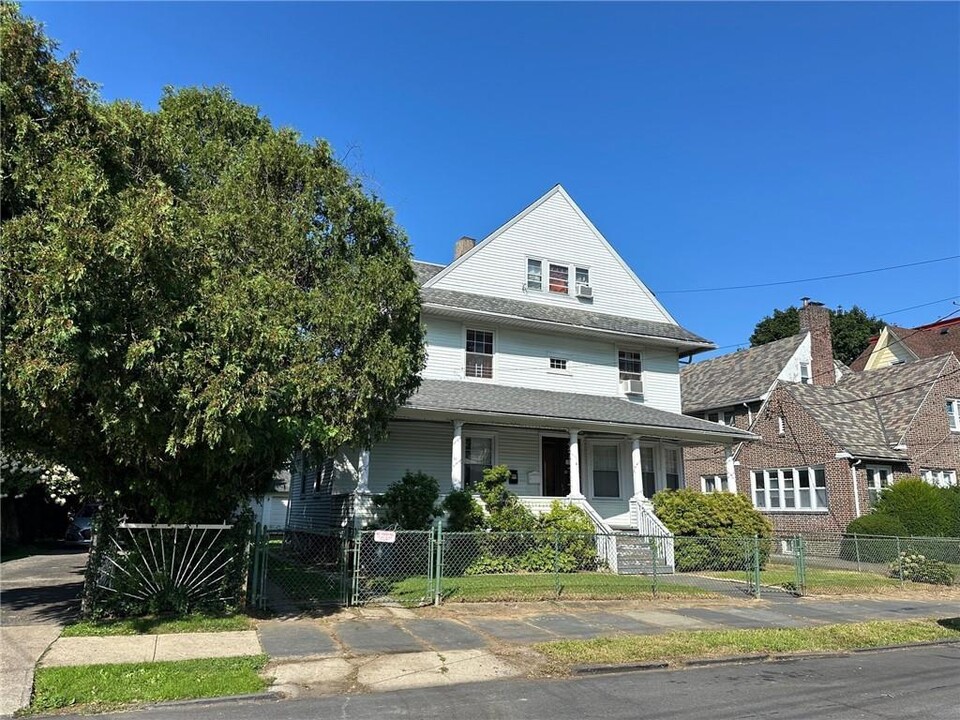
(856, 489)
(749, 415)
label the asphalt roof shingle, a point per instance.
(737, 377)
(458, 395)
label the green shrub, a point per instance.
(410, 503)
(952, 496)
(464, 514)
(719, 522)
(868, 548)
(877, 523)
(923, 509)
(919, 568)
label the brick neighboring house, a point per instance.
(831, 439)
(895, 345)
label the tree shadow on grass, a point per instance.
(950, 623)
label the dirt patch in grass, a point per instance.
(107, 687)
(680, 646)
(159, 625)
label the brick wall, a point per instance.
(816, 318)
(930, 442)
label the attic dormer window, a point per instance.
(534, 275)
(559, 279)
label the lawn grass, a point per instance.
(679, 646)
(196, 623)
(104, 687)
(304, 582)
(821, 581)
(543, 586)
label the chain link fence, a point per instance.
(401, 567)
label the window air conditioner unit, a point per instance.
(632, 387)
(584, 291)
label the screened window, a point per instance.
(671, 459)
(477, 457)
(559, 279)
(953, 414)
(479, 354)
(878, 478)
(630, 365)
(534, 275)
(582, 276)
(714, 483)
(802, 488)
(606, 471)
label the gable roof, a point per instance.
(737, 377)
(451, 301)
(869, 413)
(426, 270)
(924, 341)
(460, 397)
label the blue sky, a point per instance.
(712, 144)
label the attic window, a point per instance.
(805, 373)
(953, 415)
(534, 275)
(559, 279)
(582, 276)
(780, 428)
(558, 363)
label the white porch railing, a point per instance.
(605, 540)
(649, 525)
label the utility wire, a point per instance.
(803, 280)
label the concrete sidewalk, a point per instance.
(149, 648)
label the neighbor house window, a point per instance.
(802, 488)
(671, 462)
(477, 457)
(940, 478)
(953, 414)
(606, 471)
(559, 279)
(534, 275)
(630, 365)
(558, 363)
(805, 373)
(714, 483)
(724, 418)
(878, 478)
(479, 354)
(582, 276)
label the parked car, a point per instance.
(80, 529)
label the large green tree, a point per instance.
(850, 330)
(190, 294)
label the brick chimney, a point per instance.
(816, 318)
(462, 246)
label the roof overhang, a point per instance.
(726, 404)
(682, 436)
(684, 347)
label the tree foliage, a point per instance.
(189, 293)
(850, 330)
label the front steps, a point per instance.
(635, 557)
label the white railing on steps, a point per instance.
(649, 525)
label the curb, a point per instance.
(745, 659)
(223, 699)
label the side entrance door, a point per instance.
(556, 466)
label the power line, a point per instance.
(813, 279)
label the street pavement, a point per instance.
(908, 684)
(38, 594)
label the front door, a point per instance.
(556, 466)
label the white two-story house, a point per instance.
(547, 354)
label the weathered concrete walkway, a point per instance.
(148, 648)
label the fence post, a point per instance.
(756, 566)
(801, 566)
(899, 561)
(253, 577)
(556, 561)
(438, 564)
(653, 557)
(264, 568)
(856, 547)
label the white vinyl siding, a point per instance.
(415, 446)
(555, 233)
(444, 343)
(790, 489)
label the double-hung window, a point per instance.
(803, 488)
(671, 463)
(953, 415)
(630, 365)
(939, 477)
(477, 457)
(805, 373)
(559, 279)
(582, 276)
(878, 478)
(714, 483)
(606, 471)
(534, 275)
(479, 354)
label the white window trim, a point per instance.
(681, 475)
(463, 353)
(953, 413)
(933, 476)
(720, 480)
(545, 264)
(526, 275)
(619, 349)
(877, 468)
(808, 380)
(483, 435)
(591, 445)
(568, 371)
(814, 506)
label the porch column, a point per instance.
(456, 459)
(363, 472)
(574, 465)
(730, 467)
(637, 470)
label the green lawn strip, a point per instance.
(542, 586)
(158, 625)
(717, 643)
(304, 582)
(105, 687)
(820, 580)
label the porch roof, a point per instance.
(486, 402)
